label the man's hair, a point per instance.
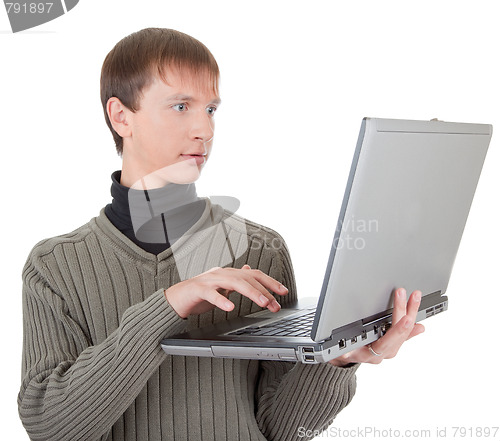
(132, 65)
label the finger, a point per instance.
(273, 303)
(219, 300)
(361, 355)
(370, 357)
(390, 343)
(269, 283)
(246, 266)
(413, 305)
(399, 310)
(260, 296)
(244, 282)
(412, 310)
(342, 360)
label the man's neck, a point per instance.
(138, 178)
(145, 215)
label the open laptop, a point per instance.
(404, 210)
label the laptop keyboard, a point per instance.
(293, 327)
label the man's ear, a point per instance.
(118, 114)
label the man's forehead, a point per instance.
(189, 83)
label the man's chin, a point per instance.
(184, 172)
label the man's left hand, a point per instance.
(403, 328)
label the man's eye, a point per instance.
(179, 107)
(211, 110)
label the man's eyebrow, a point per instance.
(179, 97)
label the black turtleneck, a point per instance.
(158, 217)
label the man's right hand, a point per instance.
(211, 288)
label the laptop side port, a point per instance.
(363, 335)
(306, 349)
(385, 328)
(354, 340)
(342, 343)
(439, 308)
(375, 329)
(309, 358)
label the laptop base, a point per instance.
(219, 340)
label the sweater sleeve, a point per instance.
(74, 391)
(293, 398)
(296, 397)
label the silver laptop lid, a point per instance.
(406, 203)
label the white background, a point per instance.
(297, 78)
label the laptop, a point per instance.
(408, 195)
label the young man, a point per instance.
(98, 301)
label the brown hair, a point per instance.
(133, 63)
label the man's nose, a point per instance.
(202, 127)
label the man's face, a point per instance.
(173, 131)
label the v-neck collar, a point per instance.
(212, 215)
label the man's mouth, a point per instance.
(198, 158)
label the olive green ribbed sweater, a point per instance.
(94, 315)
